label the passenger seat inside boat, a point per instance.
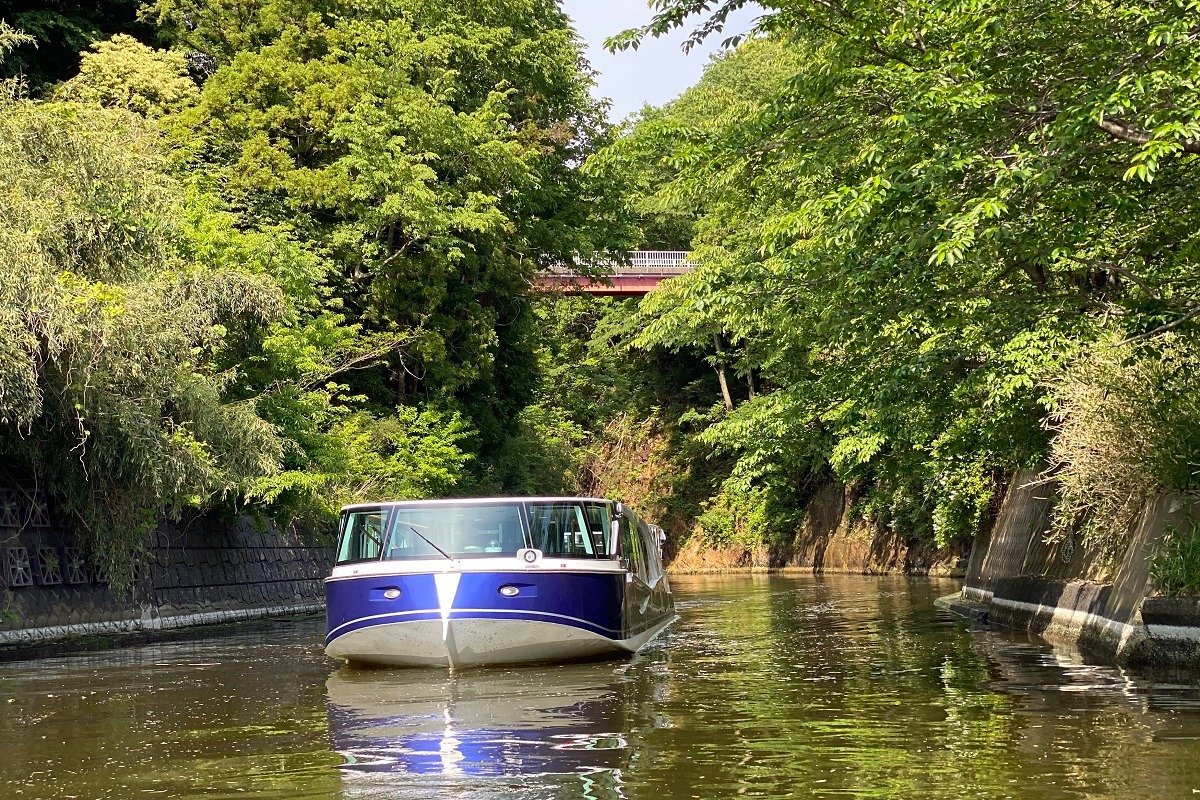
(511, 539)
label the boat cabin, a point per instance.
(558, 527)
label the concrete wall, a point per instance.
(205, 571)
(1100, 602)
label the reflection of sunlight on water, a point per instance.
(448, 749)
(580, 741)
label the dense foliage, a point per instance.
(286, 262)
(113, 386)
(947, 240)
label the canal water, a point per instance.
(768, 686)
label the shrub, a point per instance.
(1175, 566)
(1127, 428)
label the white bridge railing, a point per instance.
(659, 259)
(644, 262)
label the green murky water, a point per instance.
(767, 686)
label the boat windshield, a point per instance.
(565, 528)
(458, 531)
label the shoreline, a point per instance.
(793, 569)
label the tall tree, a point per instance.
(427, 154)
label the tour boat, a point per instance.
(495, 580)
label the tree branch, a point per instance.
(1119, 129)
(1175, 323)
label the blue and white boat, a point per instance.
(494, 580)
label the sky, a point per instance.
(658, 71)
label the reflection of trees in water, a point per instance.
(804, 685)
(845, 685)
(238, 713)
(775, 686)
(768, 685)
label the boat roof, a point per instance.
(449, 501)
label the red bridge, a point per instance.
(645, 270)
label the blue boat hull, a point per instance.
(459, 618)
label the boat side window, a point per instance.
(631, 545)
(599, 518)
(561, 529)
(650, 552)
(362, 536)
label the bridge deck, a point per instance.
(645, 270)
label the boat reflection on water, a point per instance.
(425, 733)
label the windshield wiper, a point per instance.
(425, 539)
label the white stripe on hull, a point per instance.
(470, 642)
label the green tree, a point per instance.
(124, 73)
(935, 212)
(159, 356)
(111, 390)
(428, 156)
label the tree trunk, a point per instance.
(728, 398)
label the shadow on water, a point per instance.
(1044, 677)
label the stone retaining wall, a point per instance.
(205, 571)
